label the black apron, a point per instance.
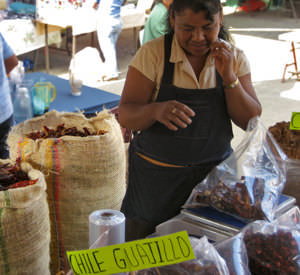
(156, 193)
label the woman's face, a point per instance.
(194, 32)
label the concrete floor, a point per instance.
(256, 33)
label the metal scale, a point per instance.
(215, 225)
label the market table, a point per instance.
(90, 101)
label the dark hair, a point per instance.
(211, 7)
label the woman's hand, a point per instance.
(241, 100)
(138, 112)
(173, 114)
(223, 55)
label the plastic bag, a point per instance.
(289, 142)
(291, 218)
(233, 251)
(207, 262)
(246, 185)
(17, 73)
(272, 249)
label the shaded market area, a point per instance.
(67, 175)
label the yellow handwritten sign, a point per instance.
(131, 256)
(295, 121)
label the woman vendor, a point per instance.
(181, 93)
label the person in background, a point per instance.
(109, 27)
(181, 93)
(8, 61)
(156, 24)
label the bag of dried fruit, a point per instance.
(84, 164)
(24, 220)
(248, 184)
(272, 248)
(289, 142)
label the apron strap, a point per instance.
(167, 78)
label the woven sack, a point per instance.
(25, 227)
(83, 174)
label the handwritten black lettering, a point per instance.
(166, 251)
(128, 258)
(80, 263)
(182, 243)
(73, 264)
(119, 260)
(86, 263)
(91, 265)
(158, 249)
(142, 253)
(150, 248)
(174, 253)
(99, 263)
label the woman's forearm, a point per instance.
(242, 103)
(137, 116)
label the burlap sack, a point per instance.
(83, 174)
(25, 227)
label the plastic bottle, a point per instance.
(22, 105)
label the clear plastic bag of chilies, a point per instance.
(248, 183)
(272, 248)
(289, 142)
(207, 262)
(233, 251)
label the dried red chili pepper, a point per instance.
(22, 183)
(242, 198)
(272, 253)
(62, 131)
(11, 176)
(289, 140)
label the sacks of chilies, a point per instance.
(207, 262)
(248, 184)
(84, 173)
(24, 224)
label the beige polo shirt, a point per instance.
(149, 60)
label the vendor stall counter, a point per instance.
(90, 101)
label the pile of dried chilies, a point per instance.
(11, 176)
(61, 130)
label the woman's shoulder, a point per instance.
(241, 62)
(151, 49)
(156, 43)
(238, 52)
(159, 8)
(149, 59)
